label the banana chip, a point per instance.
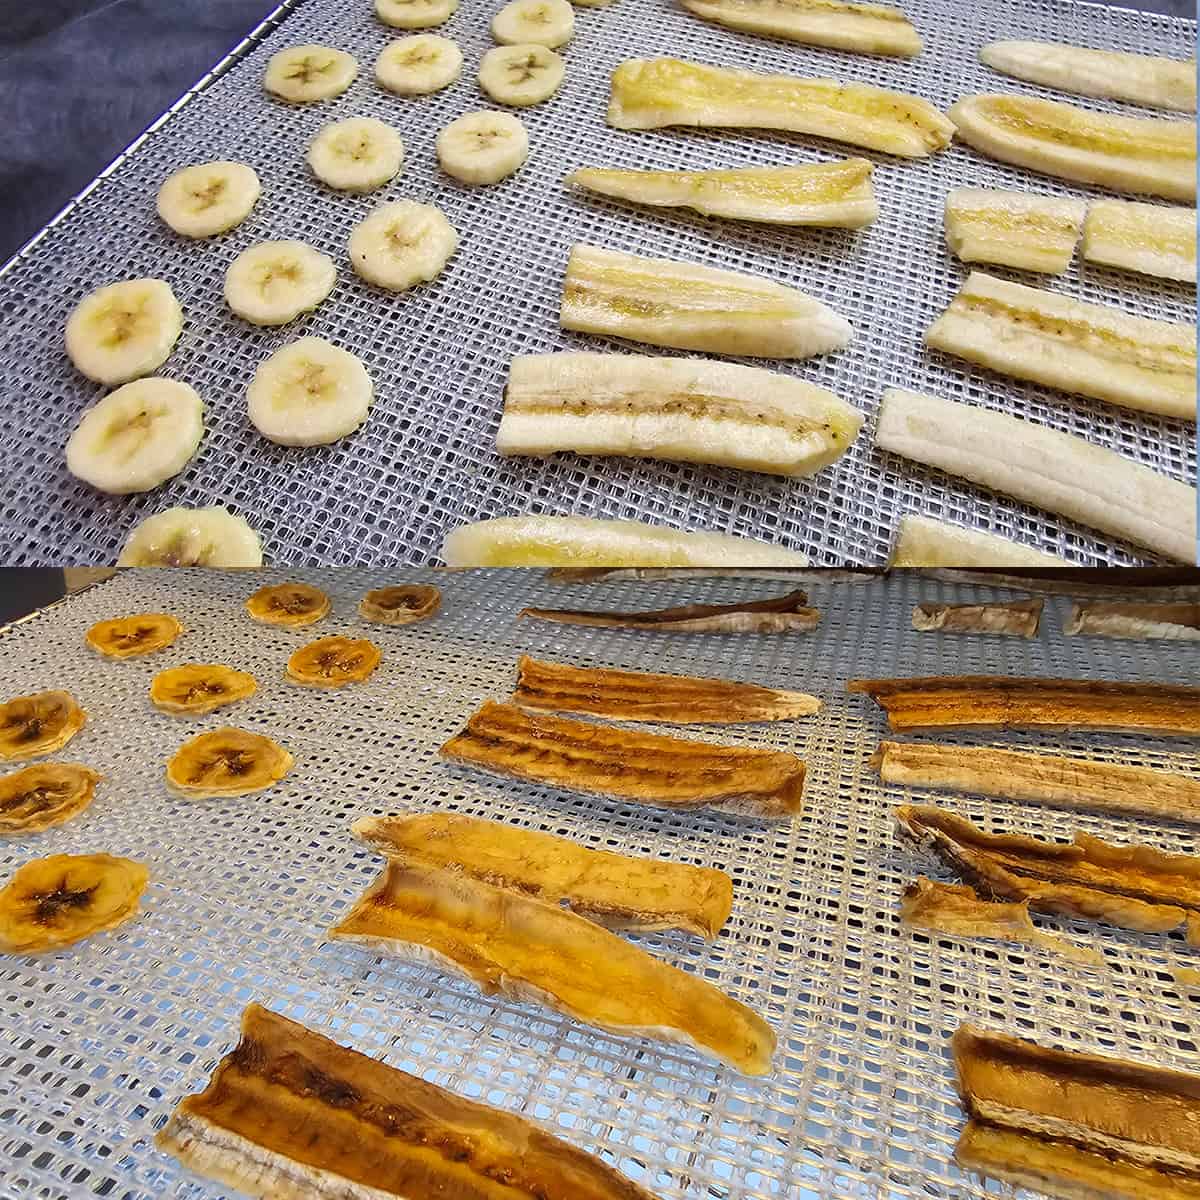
(227, 762)
(124, 637)
(333, 661)
(196, 688)
(31, 726)
(288, 604)
(400, 605)
(44, 795)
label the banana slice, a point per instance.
(1147, 238)
(333, 662)
(924, 542)
(274, 282)
(415, 14)
(482, 147)
(401, 604)
(309, 394)
(45, 795)
(127, 637)
(356, 155)
(418, 65)
(125, 330)
(197, 688)
(1127, 154)
(208, 198)
(227, 762)
(1014, 229)
(192, 537)
(402, 244)
(31, 726)
(534, 22)
(290, 604)
(302, 74)
(521, 75)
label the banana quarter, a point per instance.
(483, 147)
(539, 22)
(274, 282)
(302, 74)
(418, 65)
(125, 330)
(192, 537)
(415, 14)
(357, 155)
(402, 244)
(521, 75)
(209, 198)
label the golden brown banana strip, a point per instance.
(1015, 229)
(1127, 154)
(1019, 618)
(616, 890)
(600, 760)
(924, 542)
(657, 92)
(1149, 238)
(1178, 622)
(290, 1113)
(525, 948)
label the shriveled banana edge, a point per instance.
(924, 542)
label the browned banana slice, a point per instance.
(52, 902)
(44, 795)
(196, 688)
(333, 662)
(288, 604)
(400, 605)
(227, 762)
(31, 726)
(124, 637)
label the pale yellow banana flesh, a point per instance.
(924, 542)
(1013, 229)
(1148, 238)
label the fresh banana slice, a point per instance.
(208, 198)
(418, 65)
(31, 726)
(1014, 229)
(227, 762)
(192, 537)
(534, 22)
(274, 282)
(402, 604)
(197, 688)
(137, 437)
(482, 147)
(128, 637)
(356, 155)
(333, 662)
(289, 604)
(125, 330)
(521, 75)
(302, 74)
(402, 244)
(415, 14)
(45, 795)
(924, 542)
(1147, 238)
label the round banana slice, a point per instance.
(288, 604)
(534, 22)
(482, 147)
(137, 437)
(227, 762)
(31, 726)
(521, 75)
(309, 394)
(415, 14)
(208, 198)
(125, 637)
(402, 244)
(302, 74)
(52, 902)
(418, 65)
(274, 282)
(333, 662)
(125, 330)
(403, 604)
(356, 155)
(197, 688)
(192, 537)
(44, 795)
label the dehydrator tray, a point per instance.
(425, 461)
(100, 1041)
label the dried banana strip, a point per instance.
(227, 762)
(1177, 622)
(1149, 238)
(402, 604)
(333, 662)
(125, 637)
(615, 890)
(196, 688)
(600, 760)
(289, 1113)
(44, 795)
(31, 726)
(924, 542)
(289, 604)
(529, 950)
(1018, 618)
(1014, 229)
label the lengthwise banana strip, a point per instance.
(680, 409)
(865, 28)
(924, 542)
(657, 92)
(1015, 229)
(1020, 618)
(1175, 622)
(1043, 467)
(1149, 238)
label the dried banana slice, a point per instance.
(333, 662)
(274, 282)
(418, 65)
(534, 22)
(1014, 229)
(415, 14)
(192, 537)
(31, 726)
(44, 795)
(403, 604)
(356, 155)
(1148, 238)
(483, 147)
(123, 331)
(924, 542)
(124, 637)
(402, 244)
(196, 688)
(208, 198)
(521, 75)
(302, 74)
(227, 762)
(288, 604)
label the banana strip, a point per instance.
(836, 194)
(1043, 467)
(1014, 229)
(1015, 619)
(1127, 154)
(1149, 238)
(1177, 622)
(924, 542)
(665, 574)
(679, 409)
(657, 92)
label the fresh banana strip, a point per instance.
(31, 726)
(483, 147)
(309, 393)
(419, 65)
(924, 542)
(1127, 154)
(679, 409)
(1014, 229)
(657, 92)
(192, 537)
(690, 307)
(356, 155)
(1043, 467)
(415, 14)
(402, 244)
(124, 331)
(208, 198)
(534, 22)
(521, 75)
(289, 604)
(1089, 349)
(130, 637)
(837, 194)
(45, 795)
(274, 282)
(1147, 238)
(1137, 78)
(302, 74)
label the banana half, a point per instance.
(534, 22)
(482, 147)
(1148, 238)
(356, 155)
(521, 75)
(418, 65)
(415, 14)
(209, 198)
(1013, 229)
(274, 282)
(304, 74)
(192, 537)
(123, 331)
(402, 244)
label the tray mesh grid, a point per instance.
(425, 460)
(98, 1042)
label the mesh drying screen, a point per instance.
(425, 460)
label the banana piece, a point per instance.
(123, 331)
(402, 244)
(924, 542)
(1014, 229)
(657, 92)
(534, 22)
(192, 537)
(356, 155)
(1127, 154)
(521, 75)
(309, 393)
(415, 14)
(679, 409)
(302, 74)
(1138, 78)
(591, 3)
(1148, 238)
(418, 65)
(274, 282)
(483, 147)
(1089, 349)
(690, 307)
(208, 198)
(137, 437)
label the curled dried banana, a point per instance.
(44, 795)
(31, 726)
(400, 605)
(196, 688)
